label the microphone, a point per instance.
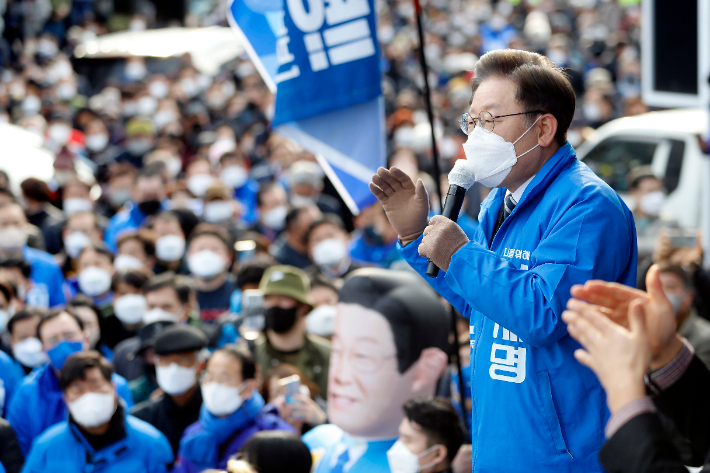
(461, 178)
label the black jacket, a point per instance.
(642, 446)
(168, 417)
(10, 453)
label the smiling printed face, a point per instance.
(365, 389)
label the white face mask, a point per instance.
(492, 157)
(218, 211)
(330, 252)
(652, 203)
(29, 352)
(163, 117)
(221, 400)
(159, 315)
(234, 176)
(175, 379)
(94, 281)
(60, 133)
(147, 106)
(321, 320)
(97, 142)
(158, 89)
(402, 460)
(206, 264)
(275, 218)
(174, 166)
(73, 205)
(130, 308)
(4, 317)
(199, 183)
(123, 262)
(12, 239)
(170, 248)
(75, 242)
(93, 409)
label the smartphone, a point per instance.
(291, 386)
(252, 314)
(683, 237)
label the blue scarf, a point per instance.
(202, 447)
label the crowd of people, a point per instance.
(174, 311)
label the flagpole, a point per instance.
(437, 180)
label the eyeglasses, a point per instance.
(485, 120)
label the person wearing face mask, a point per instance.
(286, 304)
(430, 435)
(90, 315)
(548, 224)
(291, 248)
(232, 411)
(374, 241)
(39, 211)
(98, 145)
(26, 347)
(140, 140)
(39, 403)
(306, 188)
(648, 196)
(94, 272)
(136, 250)
(209, 258)
(178, 368)
(98, 430)
(678, 287)
(327, 243)
(80, 231)
(76, 198)
(147, 199)
(234, 173)
(118, 191)
(222, 209)
(171, 229)
(199, 178)
(272, 205)
(48, 285)
(10, 376)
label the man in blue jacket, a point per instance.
(98, 435)
(549, 223)
(48, 286)
(147, 199)
(38, 402)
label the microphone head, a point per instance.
(462, 174)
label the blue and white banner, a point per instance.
(323, 60)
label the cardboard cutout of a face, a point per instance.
(388, 342)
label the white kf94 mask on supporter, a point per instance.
(491, 156)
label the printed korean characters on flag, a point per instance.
(328, 58)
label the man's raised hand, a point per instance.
(406, 204)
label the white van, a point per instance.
(668, 141)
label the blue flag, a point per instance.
(323, 62)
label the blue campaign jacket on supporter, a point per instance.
(48, 285)
(128, 219)
(534, 406)
(328, 442)
(63, 448)
(369, 254)
(38, 404)
(9, 380)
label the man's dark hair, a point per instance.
(319, 279)
(251, 273)
(667, 268)
(184, 217)
(541, 85)
(439, 422)
(181, 284)
(53, 314)
(231, 155)
(8, 290)
(82, 213)
(77, 364)
(329, 218)
(25, 314)
(99, 248)
(638, 175)
(35, 189)
(6, 191)
(136, 278)
(417, 319)
(152, 171)
(143, 236)
(245, 359)
(263, 189)
(215, 231)
(292, 454)
(83, 301)
(17, 262)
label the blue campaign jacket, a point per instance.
(38, 404)
(246, 195)
(63, 448)
(128, 219)
(535, 408)
(10, 378)
(327, 441)
(48, 285)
